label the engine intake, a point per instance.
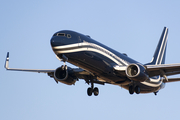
(136, 72)
(64, 75)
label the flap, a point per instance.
(168, 69)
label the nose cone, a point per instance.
(55, 42)
(52, 41)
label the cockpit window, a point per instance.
(63, 34)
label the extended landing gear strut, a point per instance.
(91, 90)
(133, 89)
(155, 93)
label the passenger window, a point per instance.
(68, 36)
(88, 36)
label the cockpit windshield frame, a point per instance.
(63, 34)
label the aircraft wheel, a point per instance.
(131, 90)
(89, 91)
(96, 91)
(137, 89)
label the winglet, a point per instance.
(26, 70)
(7, 61)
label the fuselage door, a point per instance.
(79, 41)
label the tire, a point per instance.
(137, 89)
(89, 91)
(96, 91)
(131, 90)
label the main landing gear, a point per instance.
(133, 89)
(91, 90)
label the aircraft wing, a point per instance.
(79, 73)
(26, 70)
(166, 69)
(171, 80)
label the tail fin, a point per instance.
(160, 53)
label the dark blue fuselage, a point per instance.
(92, 56)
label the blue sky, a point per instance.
(131, 27)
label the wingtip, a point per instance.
(7, 55)
(7, 61)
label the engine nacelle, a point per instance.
(136, 72)
(64, 75)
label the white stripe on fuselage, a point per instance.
(66, 46)
(151, 84)
(153, 81)
(95, 48)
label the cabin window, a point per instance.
(68, 36)
(88, 36)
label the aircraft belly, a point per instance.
(144, 88)
(96, 64)
(102, 67)
(148, 89)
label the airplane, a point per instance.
(99, 64)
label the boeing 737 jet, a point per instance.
(99, 64)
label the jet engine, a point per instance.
(136, 72)
(64, 75)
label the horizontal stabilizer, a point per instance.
(171, 80)
(168, 69)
